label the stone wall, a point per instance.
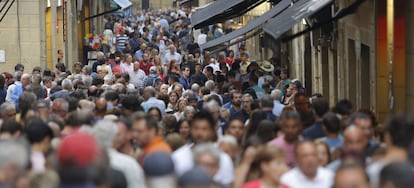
(20, 35)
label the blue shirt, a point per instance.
(277, 108)
(153, 102)
(315, 131)
(185, 82)
(260, 92)
(138, 54)
(332, 142)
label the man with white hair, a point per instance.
(100, 60)
(65, 92)
(276, 94)
(229, 145)
(172, 55)
(13, 160)
(19, 88)
(105, 133)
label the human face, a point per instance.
(182, 105)
(322, 154)
(154, 114)
(198, 68)
(307, 159)
(141, 133)
(355, 141)
(209, 163)
(186, 72)
(128, 59)
(243, 58)
(179, 90)
(274, 169)
(365, 125)
(77, 68)
(247, 104)
(189, 114)
(164, 88)
(302, 104)
(351, 178)
(193, 103)
(185, 130)
(136, 66)
(236, 100)
(283, 75)
(173, 98)
(236, 129)
(201, 131)
(123, 136)
(290, 128)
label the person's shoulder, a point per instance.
(290, 175)
(252, 184)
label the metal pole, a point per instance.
(53, 4)
(390, 44)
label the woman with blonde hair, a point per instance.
(179, 109)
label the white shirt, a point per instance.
(168, 57)
(137, 78)
(202, 38)
(127, 68)
(38, 161)
(215, 66)
(296, 179)
(184, 161)
(129, 167)
(10, 90)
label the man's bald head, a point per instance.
(100, 105)
(354, 139)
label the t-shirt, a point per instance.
(315, 131)
(289, 149)
(121, 41)
(258, 184)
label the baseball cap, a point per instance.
(78, 150)
(195, 177)
(158, 164)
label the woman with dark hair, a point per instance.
(266, 130)
(230, 58)
(183, 128)
(255, 118)
(155, 113)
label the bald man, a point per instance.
(354, 143)
(100, 108)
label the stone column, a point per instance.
(409, 53)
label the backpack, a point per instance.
(150, 81)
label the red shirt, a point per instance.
(146, 67)
(257, 184)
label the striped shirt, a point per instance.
(121, 41)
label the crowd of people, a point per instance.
(152, 112)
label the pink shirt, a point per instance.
(289, 149)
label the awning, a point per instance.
(276, 10)
(298, 11)
(222, 10)
(183, 2)
(123, 3)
